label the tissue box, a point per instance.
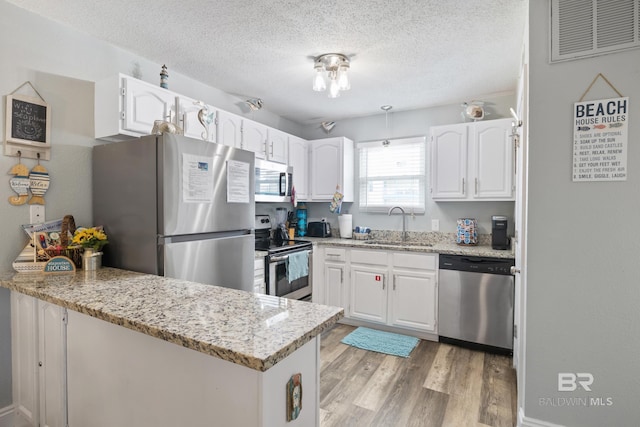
(467, 232)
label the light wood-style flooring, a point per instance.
(437, 385)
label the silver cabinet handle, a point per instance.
(271, 149)
(514, 270)
(462, 185)
(383, 280)
(394, 282)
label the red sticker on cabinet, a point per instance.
(377, 278)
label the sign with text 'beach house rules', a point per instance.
(600, 140)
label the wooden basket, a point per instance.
(74, 253)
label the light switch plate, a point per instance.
(36, 214)
(435, 225)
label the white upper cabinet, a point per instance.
(299, 160)
(472, 161)
(229, 129)
(186, 113)
(448, 162)
(330, 167)
(126, 107)
(492, 154)
(254, 138)
(277, 146)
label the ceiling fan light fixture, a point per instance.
(333, 67)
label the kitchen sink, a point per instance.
(396, 243)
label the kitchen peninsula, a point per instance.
(146, 350)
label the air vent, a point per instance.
(584, 28)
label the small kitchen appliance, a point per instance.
(319, 229)
(499, 237)
(273, 181)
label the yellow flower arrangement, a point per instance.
(94, 238)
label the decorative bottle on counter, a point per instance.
(301, 214)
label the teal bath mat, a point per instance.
(381, 341)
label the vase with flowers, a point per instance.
(92, 240)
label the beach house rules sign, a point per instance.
(600, 140)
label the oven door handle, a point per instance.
(283, 257)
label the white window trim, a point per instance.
(395, 141)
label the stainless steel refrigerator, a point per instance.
(178, 207)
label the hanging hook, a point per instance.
(19, 156)
(38, 154)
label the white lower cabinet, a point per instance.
(259, 284)
(38, 332)
(368, 293)
(393, 289)
(412, 303)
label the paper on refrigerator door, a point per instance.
(197, 179)
(238, 182)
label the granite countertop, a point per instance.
(253, 330)
(440, 247)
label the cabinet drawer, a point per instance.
(413, 260)
(369, 257)
(335, 254)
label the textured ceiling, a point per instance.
(408, 54)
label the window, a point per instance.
(392, 175)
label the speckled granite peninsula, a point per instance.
(252, 330)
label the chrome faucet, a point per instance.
(404, 221)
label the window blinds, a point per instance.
(392, 175)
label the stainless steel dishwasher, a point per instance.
(475, 302)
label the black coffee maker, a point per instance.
(499, 237)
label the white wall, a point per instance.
(583, 248)
(63, 64)
(415, 123)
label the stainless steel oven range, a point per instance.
(287, 264)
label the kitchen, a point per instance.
(75, 94)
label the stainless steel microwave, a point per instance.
(273, 181)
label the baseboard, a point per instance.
(532, 422)
(6, 416)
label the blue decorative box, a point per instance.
(467, 232)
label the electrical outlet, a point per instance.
(36, 214)
(435, 225)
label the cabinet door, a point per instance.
(254, 138)
(24, 346)
(449, 162)
(368, 294)
(228, 129)
(326, 168)
(144, 104)
(492, 154)
(299, 160)
(53, 364)
(278, 146)
(334, 284)
(187, 110)
(412, 300)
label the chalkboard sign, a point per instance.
(28, 121)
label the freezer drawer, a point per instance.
(221, 261)
(476, 307)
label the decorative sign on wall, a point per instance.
(27, 125)
(294, 397)
(600, 140)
